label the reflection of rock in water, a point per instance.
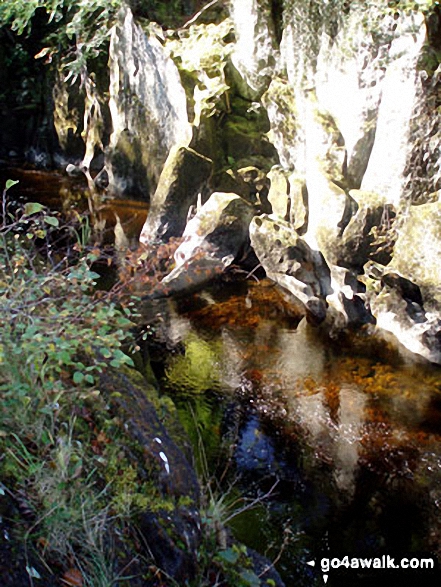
(352, 438)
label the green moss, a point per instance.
(197, 369)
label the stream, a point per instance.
(335, 442)
(348, 429)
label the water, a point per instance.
(349, 429)
(339, 439)
(69, 195)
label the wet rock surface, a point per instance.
(288, 260)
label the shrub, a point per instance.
(56, 433)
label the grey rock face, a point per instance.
(184, 175)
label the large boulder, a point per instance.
(417, 251)
(292, 263)
(405, 296)
(172, 535)
(184, 176)
(398, 306)
(148, 107)
(211, 241)
(255, 49)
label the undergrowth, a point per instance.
(57, 436)
(69, 469)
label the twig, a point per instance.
(253, 503)
(194, 18)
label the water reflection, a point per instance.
(115, 218)
(353, 438)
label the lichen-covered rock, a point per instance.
(147, 105)
(369, 235)
(173, 534)
(211, 242)
(184, 175)
(278, 192)
(397, 304)
(290, 262)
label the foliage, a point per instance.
(58, 441)
(79, 28)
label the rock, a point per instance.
(175, 475)
(278, 192)
(258, 187)
(417, 250)
(244, 142)
(369, 234)
(255, 50)
(172, 537)
(184, 175)
(147, 105)
(394, 301)
(74, 170)
(348, 300)
(298, 195)
(289, 261)
(211, 242)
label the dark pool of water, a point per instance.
(59, 191)
(350, 430)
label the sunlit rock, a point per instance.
(405, 297)
(290, 262)
(255, 53)
(211, 241)
(415, 328)
(68, 119)
(278, 192)
(147, 105)
(184, 175)
(417, 252)
(299, 203)
(370, 233)
(347, 301)
(387, 162)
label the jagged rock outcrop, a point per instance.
(255, 51)
(211, 241)
(290, 262)
(339, 100)
(147, 105)
(183, 177)
(349, 118)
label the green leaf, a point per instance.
(33, 208)
(52, 221)
(10, 183)
(228, 556)
(250, 578)
(78, 377)
(90, 379)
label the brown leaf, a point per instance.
(73, 578)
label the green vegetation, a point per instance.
(62, 450)
(77, 30)
(77, 480)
